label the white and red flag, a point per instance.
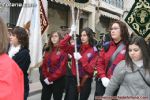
(33, 16)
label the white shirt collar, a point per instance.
(138, 63)
(13, 50)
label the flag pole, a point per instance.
(75, 39)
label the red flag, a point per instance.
(43, 18)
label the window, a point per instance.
(118, 3)
(111, 2)
(121, 4)
(115, 2)
(108, 1)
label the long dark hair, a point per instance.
(145, 50)
(89, 33)
(22, 36)
(124, 31)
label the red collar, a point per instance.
(84, 47)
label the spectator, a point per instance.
(132, 75)
(19, 52)
(11, 77)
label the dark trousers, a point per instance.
(26, 92)
(100, 89)
(71, 89)
(57, 89)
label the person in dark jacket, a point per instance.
(19, 52)
(119, 37)
(87, 57)
(54, 69)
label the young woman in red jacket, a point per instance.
(54, 69)
(87, 57)
(119, 36)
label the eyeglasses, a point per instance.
(114, 29)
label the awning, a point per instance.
(72, 3)
(110, 15)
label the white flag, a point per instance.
(35, 42)
(26, 13)
(32, 14)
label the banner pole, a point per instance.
(75, 39)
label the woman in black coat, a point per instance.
(19, 52)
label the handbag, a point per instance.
(143, 78)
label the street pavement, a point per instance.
(37, 95)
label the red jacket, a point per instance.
(104, 59)
(89, 57)
(54, 64)
(11, 79)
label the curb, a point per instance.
(35, 88)
(34, 93)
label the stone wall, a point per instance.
(5, 10)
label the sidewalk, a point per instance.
(35, 88)
(35, 84)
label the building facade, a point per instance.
(5, 10)
(60, 15)
(127, 6)
(98, 14)
(107, 12)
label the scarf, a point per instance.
(13, 50)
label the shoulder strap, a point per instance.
(106, 46)
(121, 46)
(144, 78)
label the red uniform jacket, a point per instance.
(104, 59)
(54, 64)
(11, 79)
(89, 57)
